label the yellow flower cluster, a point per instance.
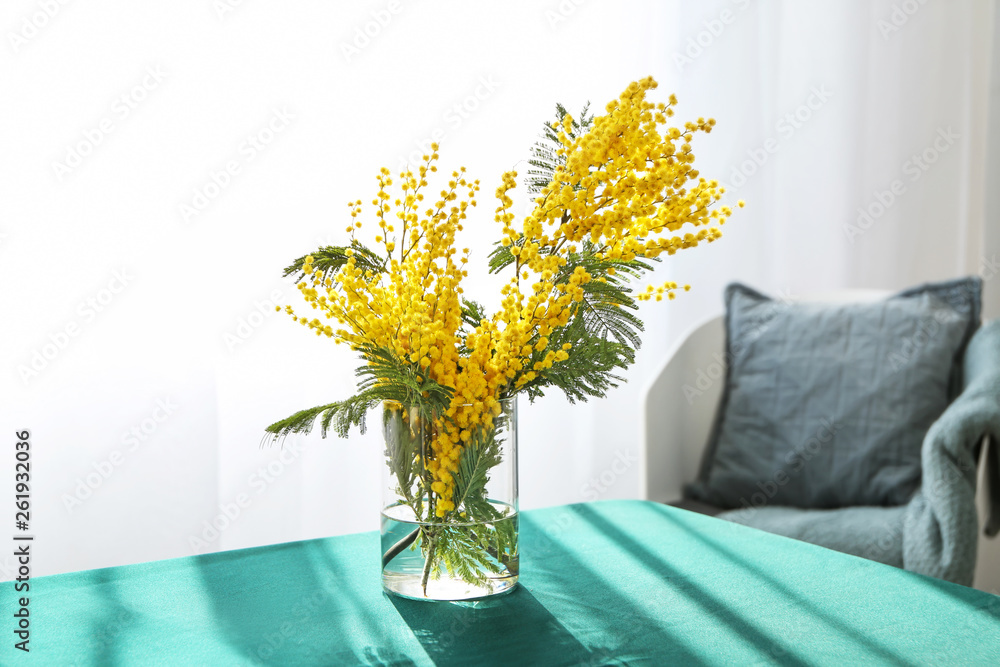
(624, 188)
(666, 288)
(414, 310)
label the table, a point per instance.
(605, 583)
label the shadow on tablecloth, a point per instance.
(510, 629)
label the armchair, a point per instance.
(928, 535)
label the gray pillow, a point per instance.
(827, 405)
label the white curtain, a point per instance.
(162, 163)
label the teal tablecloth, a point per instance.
(616, 582)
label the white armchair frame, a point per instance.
(676, 426)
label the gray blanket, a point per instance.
(935, 534)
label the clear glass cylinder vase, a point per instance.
(449, 510)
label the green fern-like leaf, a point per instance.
(403, 442)
(480, 455)
(329, 259)
(603, 331)
(501, 257)
(385, 377)
(302, 421)
(472, 313)
(461, 554)
(544, 159)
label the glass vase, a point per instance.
(449, 510)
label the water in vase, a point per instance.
(449, 561)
